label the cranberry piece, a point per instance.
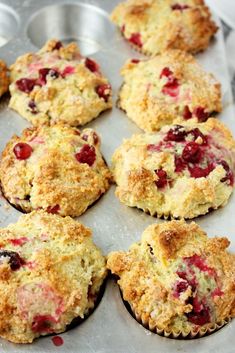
(180, 165)
(198, 172)
(46, 71)
(68, 70)
(176, 134)
(22, 150)
(43, 323)
(192, 152)
(123, 27)
(86, 155)
(171, 88)
(229, 174)
(162, 178)
(91, 65)
(190, 279)
(14, 259)
(85, 137)
(135, 61)
(179, 7)
(166, 72)
(200, 314)
(217, 292)
(199, 262)
(57, 341)
(200, 113)
(180, 287)
(197, 133)
(187, 113)
(103, 91)
(58, 45)
(53, 209)
(26, 85)
(33, 107)
(135, 39)
(42, 75)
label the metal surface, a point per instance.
(110, 328)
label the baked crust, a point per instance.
(58, 279)
(169, 88)
(74, 91)
(152, 26)
(177, 279)
(182, 171)
(4, 78)
(52, 178)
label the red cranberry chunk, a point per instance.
(187, 113)
(53, 209)
(84, 137)
(104, 91)
(22, 150)
(162, 178)
(180, 287)
(180, 164)
(43, 323)
(58, 341)
(135, 61)
(229, 177)
(192, 153)
(176, 134)
(46, 71)
(199, 262)
(33, 107)
(86, 155)
(200, 314)
(58, 45)
(200, 113)
(91, 65)
(135, 39)
(198, 172)
(123, 27)
(14, 259)
(171, 88)
(166, 72)
(179, 7)
(197, 133)
(26, 85)
(190, 279)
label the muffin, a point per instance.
(50, 273)
(4, 79)
(58, 84)
(182, 171)
(177, 281)
(168, 88)
(152, 26)
(55, 168)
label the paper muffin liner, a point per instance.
(196, 333)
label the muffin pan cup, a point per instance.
(110, 328)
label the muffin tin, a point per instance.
(24, 26)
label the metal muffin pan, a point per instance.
(26, 25)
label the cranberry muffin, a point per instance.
(178, 282)
(55, 168)
(182, 171)
(58, 84)
(168, 88)
(152, 26)
(50, 273)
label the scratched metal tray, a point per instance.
(26, 25)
